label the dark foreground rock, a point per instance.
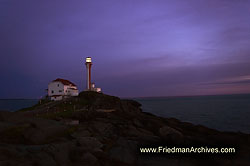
(107, 131)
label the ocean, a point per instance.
(16, 104)
(224, 113)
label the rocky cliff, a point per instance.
(98, 129)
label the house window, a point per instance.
(52, 91)
(58, 85)
(60, 90)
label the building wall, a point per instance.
(58, 88)
(98, 89)
(55, 88)
(56, 98)
(71, 90)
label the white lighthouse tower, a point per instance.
(90, 86)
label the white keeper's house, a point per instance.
(61, 88)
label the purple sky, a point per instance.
(138, 47)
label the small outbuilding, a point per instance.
(61, 88)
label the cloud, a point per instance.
(138, 48)
(231, 80)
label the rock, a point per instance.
(70, 122)
(124, 151)
(171, 134)
(122, 154)
(137, 123)
(89, 143)
(105, 129)
(60, 152)
(44, 132)
(4, 115)
(25, 155)
(130, 106)
(89, 157)
(147, 139)
(5, 125)
(81, 133)
(137, 132)
(106, 110)
(43, 159)
(38, 131)
(7, 151)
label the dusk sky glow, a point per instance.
(138, 48)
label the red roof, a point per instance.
(64, 82)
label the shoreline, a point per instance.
(98, 129)
(170, 108)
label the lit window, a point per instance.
(88, 59)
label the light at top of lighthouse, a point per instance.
(88, 60)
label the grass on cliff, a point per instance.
(74, 107)
(41, 102)
(86, 99)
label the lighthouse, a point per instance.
(90, 86)
(88, 66)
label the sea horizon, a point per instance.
(180, 96)
(138, 97)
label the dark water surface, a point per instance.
(225, 113)
(16, 104)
